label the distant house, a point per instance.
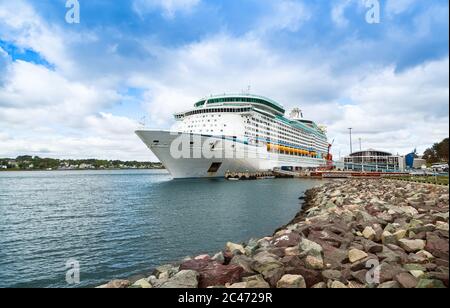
(86, 166)
(3, 167)
(13, 164)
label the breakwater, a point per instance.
(350, 234)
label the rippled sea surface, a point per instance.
(120, 223)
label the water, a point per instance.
(121, 223)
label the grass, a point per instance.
(439, 180)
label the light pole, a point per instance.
(351, 145)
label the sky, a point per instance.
(79, 90)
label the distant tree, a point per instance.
(24, 158)
(439, 152)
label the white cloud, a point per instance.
(169, 7)
(35, 94)
(5, 60)
(63, 146)
(338, 12)
(226, 64)
(286, 15)
(107, 124)
(398, 111)
(21, 25)
(395, 7)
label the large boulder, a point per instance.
(406, 280)
(216, 274)
(183, 279)
(314, 262)
(331, 275)
(369, 233)
(355, 255)
(412, 245)
(286, 240)
(232, 247)
(195, 265)
(430, 284)
(256, 282)
(142, 284)
(334, 256)
(213, 273)
(308, 247)
(388, 238)
(388, 271)
(291, 281)
(269, 266)
(437, 246)
(244, 262)
(167, 270)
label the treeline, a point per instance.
(27, 162)
(438, 153)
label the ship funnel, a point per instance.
(296, 114)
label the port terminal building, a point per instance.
(372, 160)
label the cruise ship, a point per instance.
(237, 133)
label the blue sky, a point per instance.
(78, 90)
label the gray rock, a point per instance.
(412, 245)
(308, 247)
(143, 284)
(269, 266)
(291, 281)
(430, 284)
(406, 280)
(331, 274)
(389, 285)
(183, 279)
(256, 282)
(167, 270)
(320, 285)
(219, 257)
(244, 262)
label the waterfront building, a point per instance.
(372, 160)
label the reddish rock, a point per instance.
(334, 256)
(216, 274)
(195, 265)
(389, 271)
(292, 262)
(325, 237)
(406, 280)
(286, 240)
(437, 246)
(213, 273)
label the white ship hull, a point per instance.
(244, 158)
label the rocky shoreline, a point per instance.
(358, 233)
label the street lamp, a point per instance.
(351, 145)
